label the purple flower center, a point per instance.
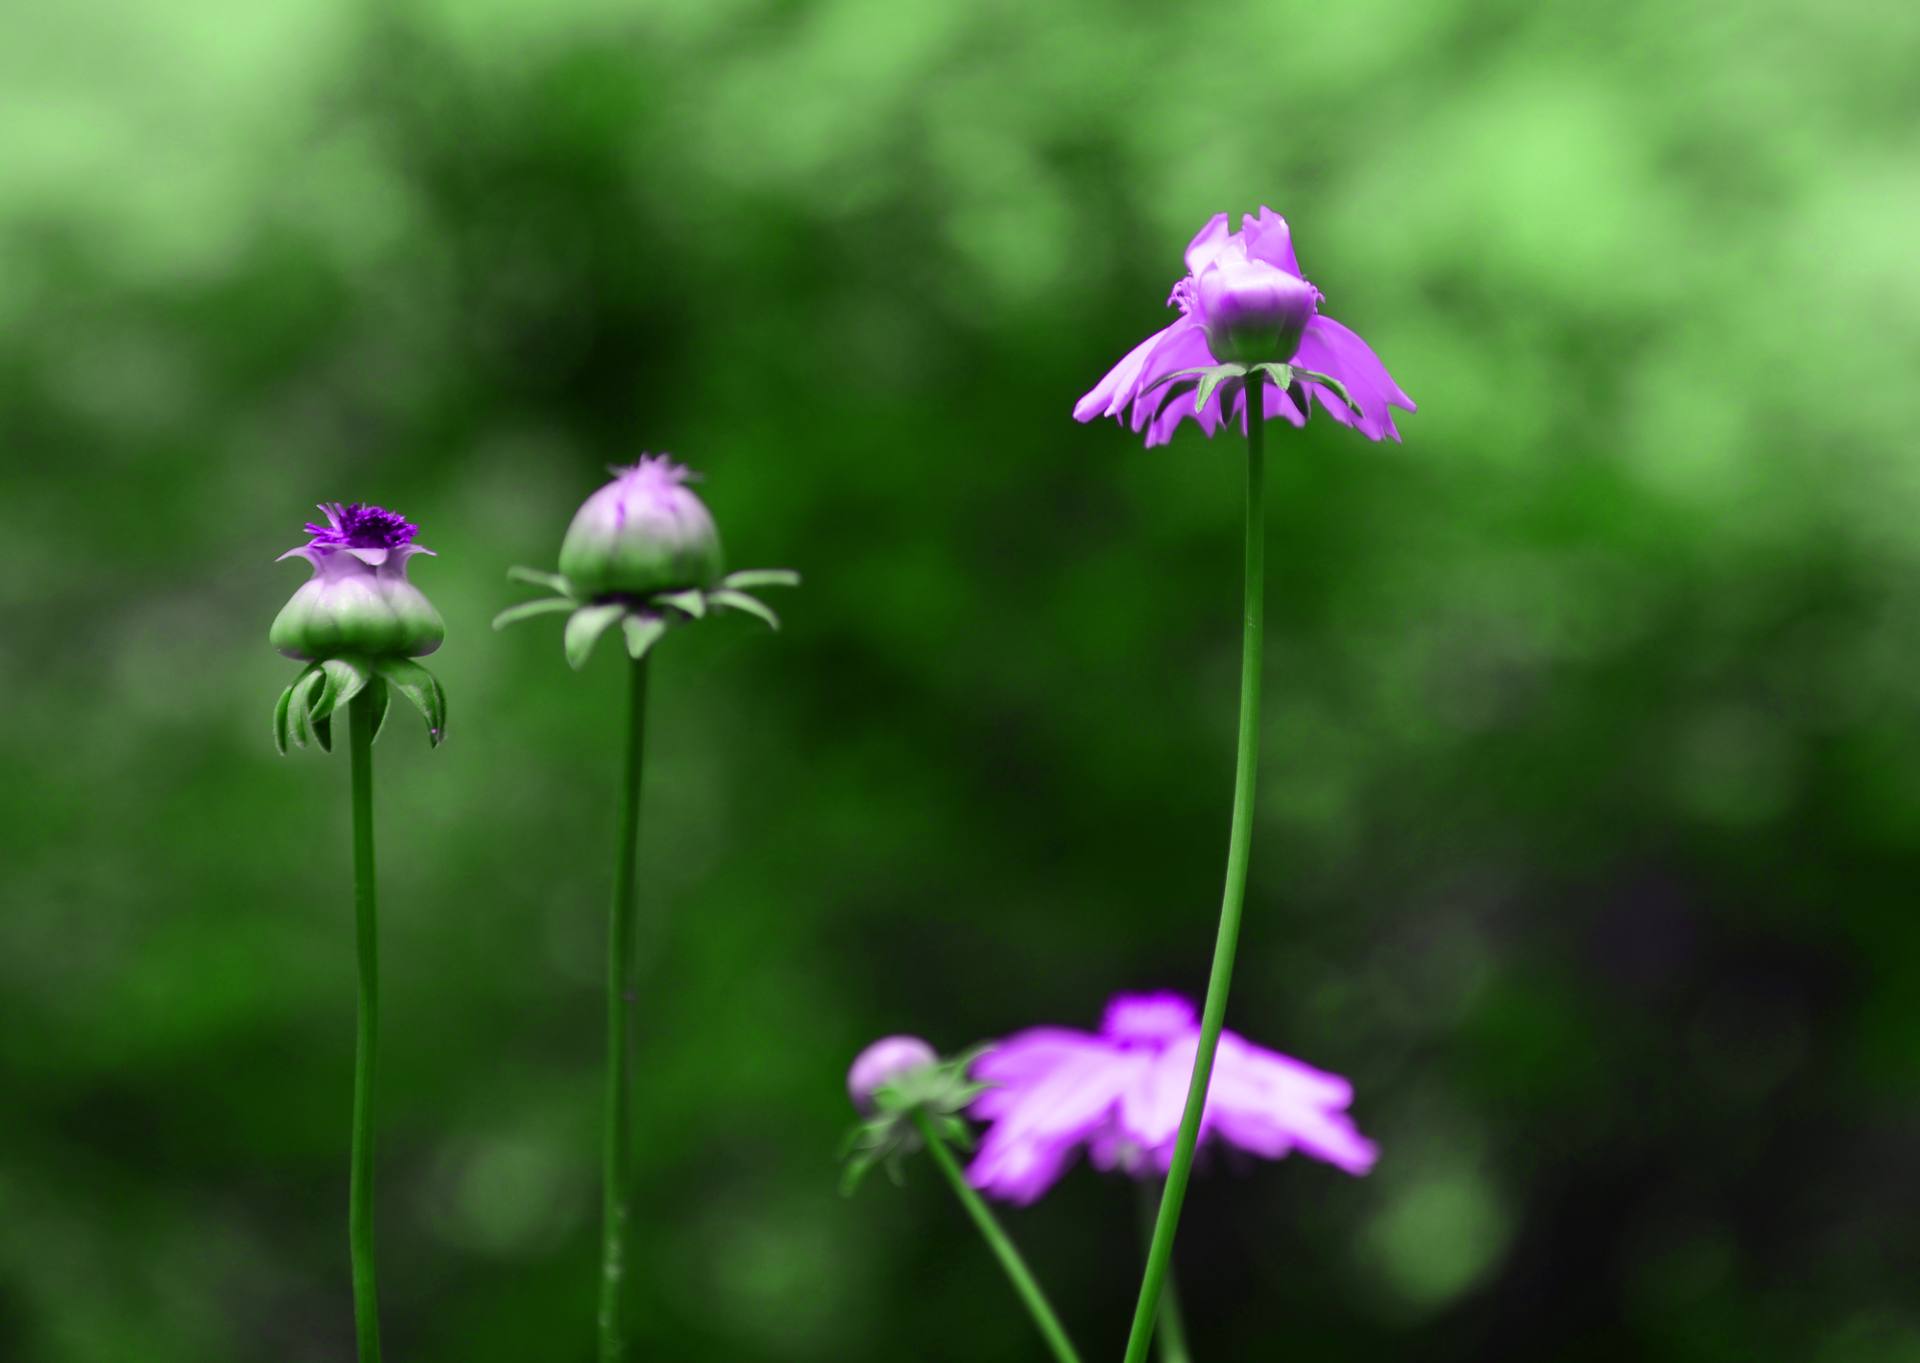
(359, 525)
(1149, 1019)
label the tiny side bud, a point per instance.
(884, 1061)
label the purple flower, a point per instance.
(1120, 1094)
(644, 532)
(883, 1062)
(358, 600)
(1244, 301)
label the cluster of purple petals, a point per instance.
(1263, 244)
(359, 525)
(1118, 1095)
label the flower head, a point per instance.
(884, 1061)
(358, 600)
(642, 553)
(897, 1084)
(1119, 1093)
(644, 532)
(1244, 302)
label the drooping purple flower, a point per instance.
(644, 532)
(358, 600)
(883, 1062)
(1244, 301)
(1119, 1094)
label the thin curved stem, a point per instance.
(1172, 1321)
(1246, 765)
(361, 720)
(1023, 1280)
(617, 1129)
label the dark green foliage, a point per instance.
(1590, 818)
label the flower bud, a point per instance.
(644, 532)
(1253, 312)
(358, 600)
(883, 1062)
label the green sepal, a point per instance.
(866, 1145)
(1208, 382)
(1173, 376)
(345, 680)
(305, 711)
(300, 703)
(740, 601)
(553, 582)
(690, 602)
(942, 1091)
(1338, 388)
(422, 689)
(381, 695)
(526, 610)
(280, 708)
(643, 632)
(643, 618)
(761, 577)
(584, 628)
(1281, 374)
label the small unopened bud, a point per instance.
(358, 601)
(1253, 312)
(644, 532)
(883, 1062)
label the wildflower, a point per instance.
(1120, 1093)
(358, 600)
(358, 624)
(912, 1100)
(902, 1090)
(1246, 314)
(643, 553)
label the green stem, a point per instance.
(1172, 1324)
(617, 1144)
(361, 719)
(1023, 1280)
(1246, 764)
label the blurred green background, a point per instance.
(1590, 827)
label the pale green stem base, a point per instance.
(366, 1308)
(1172, 1322)
(617, 1130)
(1003, 1248)
(1239, 845)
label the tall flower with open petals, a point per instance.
(1119, 1093)
(1245, 304)
(358, 600)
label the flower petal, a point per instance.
(1042, 1123)
(1024, 1059)
(1335, 350)
(1019, 1171)
(1110, 396)
(1183, 346)
(1208, 243)
(1268, 238)
(1270, 1104)
(1177, 410)
(1151, 1104)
